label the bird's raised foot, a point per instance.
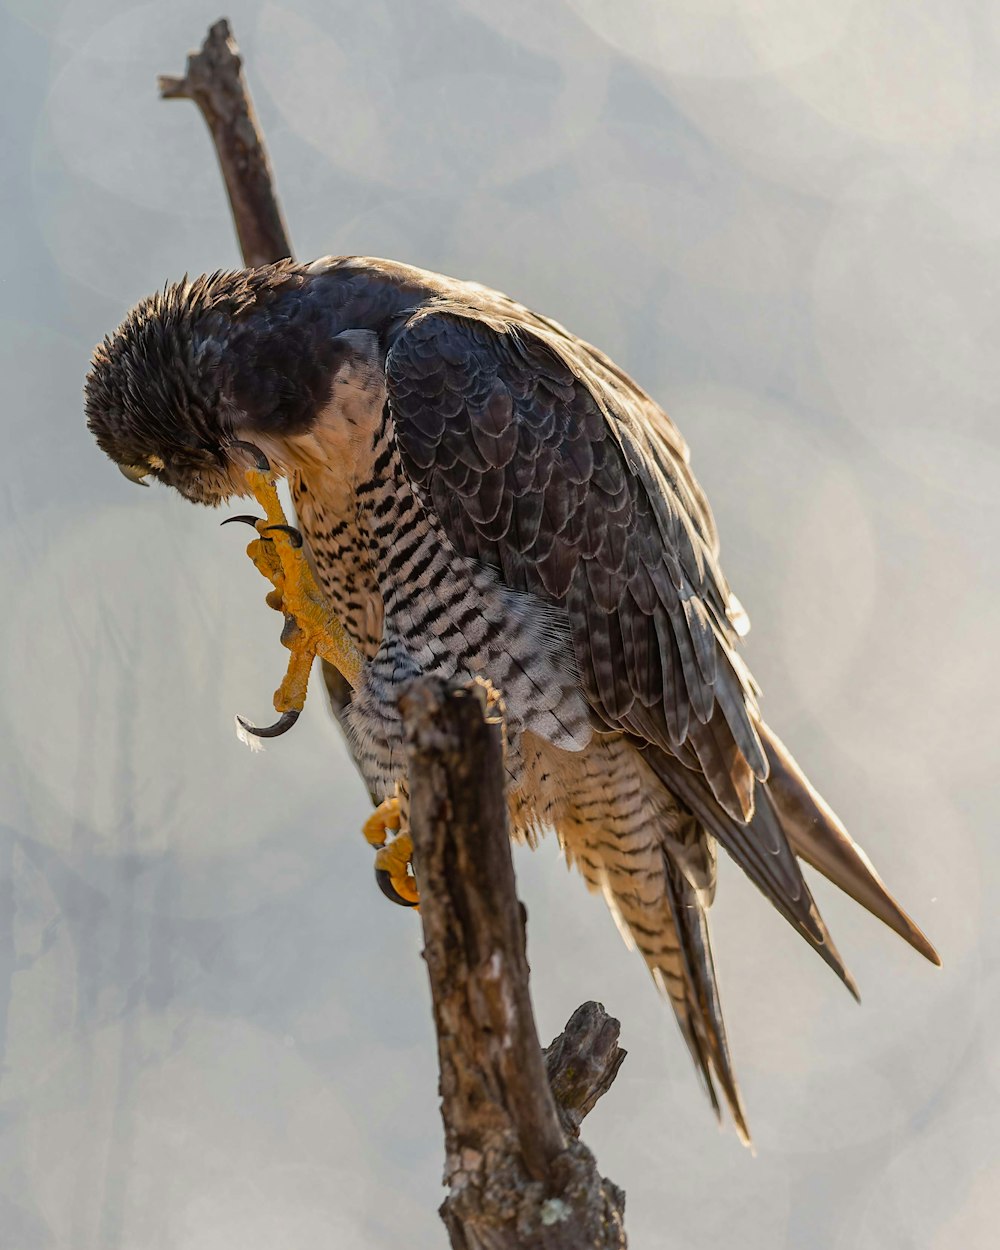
(311, 627)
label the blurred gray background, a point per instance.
(784, 218)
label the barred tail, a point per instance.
(696, 1002)
(671, 933)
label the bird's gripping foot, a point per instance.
(393, 860)
(311, 627)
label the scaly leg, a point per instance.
(393, 862)
(384, 819)
(312, 628)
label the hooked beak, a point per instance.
(135, 473)
(260, 461)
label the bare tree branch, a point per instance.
(582, 1062)
(515, 1178)
(214, 81)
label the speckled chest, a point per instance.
(340, 552)
(409, 598)
(331, 474)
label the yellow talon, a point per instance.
(384, 819)
(392, 866)
(311, 628)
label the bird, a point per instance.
(481, 494)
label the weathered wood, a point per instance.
(516, 1179)
(214, 81)
(582, 1062)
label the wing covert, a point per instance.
(540, 463)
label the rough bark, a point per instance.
(214, 81)
(516, 1174)
(582, 1062)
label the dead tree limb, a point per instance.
(214, 81)
(582, 1063)
(517, 1174)
(515, 1178)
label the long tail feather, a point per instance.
(666, 920)
(761, 848)
(818, 837)
(699, 1011)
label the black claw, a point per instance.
(246, 519)
(260, 460)
(294, 534)
(389, 890)
(282, 725)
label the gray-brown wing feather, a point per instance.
(538, 466)
(574, 498)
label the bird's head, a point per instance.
(203, 366)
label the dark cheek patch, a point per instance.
(282, 372)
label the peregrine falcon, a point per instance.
(480, 493)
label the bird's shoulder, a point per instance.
(459, 333)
